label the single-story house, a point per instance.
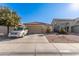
(37, 27)
(70, 25)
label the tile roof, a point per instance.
(36, 23)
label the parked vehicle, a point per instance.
(18, 32)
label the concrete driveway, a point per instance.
(36, 45)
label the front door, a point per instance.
(67, 29)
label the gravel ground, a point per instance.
(53, 38)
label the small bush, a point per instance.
(48, 30)
(63, 31)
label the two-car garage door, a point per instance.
(35, 29)
(75, 29)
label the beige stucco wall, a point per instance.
(71, 22)
(38, 28)
(3, 30)
(63, 22)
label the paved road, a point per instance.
(36, 45)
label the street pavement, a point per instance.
(36, 45)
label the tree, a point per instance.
(8, 18)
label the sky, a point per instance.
(43, 12)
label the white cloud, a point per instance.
(74, 6)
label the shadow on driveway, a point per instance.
(5, 38)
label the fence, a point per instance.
(3, 30)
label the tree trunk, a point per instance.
(7, 30)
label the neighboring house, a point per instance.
(70, 25)
(37, 27)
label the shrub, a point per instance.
(48, 30)
(63, 31)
